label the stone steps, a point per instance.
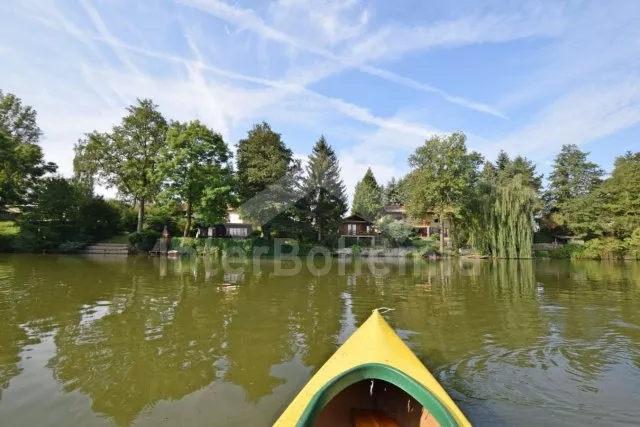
(106, 249)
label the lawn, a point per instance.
(9, 228)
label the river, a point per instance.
(155, 342)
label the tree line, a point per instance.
(175, 173)
(501, 207)
(169, 172)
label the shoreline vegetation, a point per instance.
(174, 177)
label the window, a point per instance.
(351, 229)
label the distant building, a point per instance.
(423, 227)
(234, 226)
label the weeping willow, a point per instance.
(501, 220)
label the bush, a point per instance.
(157, 217)
(128, 216)
(144, 240)
(98, 219)
(356, 250)
(71, 246)
(8, 232)
(566, 251)
(606, 248)
(633, 245)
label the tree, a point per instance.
(506, 169)
(21, 160)
(367, 197)
(196, 170)
(395, 192)
(128, 157)
(500, 222)
(267, 176)
(620, 192)
(325, 194)
(442, 178)
(398, 231)
(572, 176)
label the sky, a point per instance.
(376, 78)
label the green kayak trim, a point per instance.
(375, 371)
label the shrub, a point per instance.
(157, 217)
(606, 248)
(566, 251)
(71, 246)
(144, 240)
(633, 245)
(98, 219)
(356, 250)
(128, 216)
(8, 232)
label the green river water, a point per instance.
(156, 342)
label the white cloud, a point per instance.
(581, 116)
(388, 42)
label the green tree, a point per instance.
(442, 178)
(267, 176)
(621, 194)
(367, 197)
(128, 157)
(196, 170)
(324, 190)
(395, 192)
(572, 176)
(21, 160)
(505, 169)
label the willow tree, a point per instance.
(501, 218)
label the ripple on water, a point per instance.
(572, 379)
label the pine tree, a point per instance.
(367, 198)
(325, 195)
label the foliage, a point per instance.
(566, 251)
(163, 215)
(398, 231)
(367, 197)
(573, 202)
(395, 192)
(71, 246)
(356, 250)
(21, 158)
(127, 216)
(633, 245)
(605, 248)
(8, 232)
(267, 177)
(501, 218)
(144, 240)
(442, 177)
(196, 171)
(127, 158)
(621, 194)
(325, 200)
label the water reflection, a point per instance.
(182, 341)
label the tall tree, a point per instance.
(621, 194)
(324, 190)
(367, 197)
(499, 218)
(196, 170)
(443, 175)
(21, 160)
(127, 158)
(395, 192)
(266, 175)
(572, 176)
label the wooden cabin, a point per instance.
(355, 225)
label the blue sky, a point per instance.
(375, 77)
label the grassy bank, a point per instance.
(8, 232)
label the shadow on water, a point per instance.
(93, 341)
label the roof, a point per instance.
(394, 209)
(356, 218)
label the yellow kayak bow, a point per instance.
(374, 353)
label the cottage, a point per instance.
(235, 226)
(358, 227)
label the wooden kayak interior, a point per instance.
(380, 405)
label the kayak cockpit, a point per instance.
(375, 394)
(377, 403)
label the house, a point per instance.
(358, 227)
(234, 226)
(424, 227)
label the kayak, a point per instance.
(373, 379)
